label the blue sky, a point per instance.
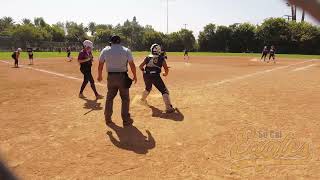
(195, 13)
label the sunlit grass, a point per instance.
(24, 55)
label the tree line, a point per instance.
(286, 36)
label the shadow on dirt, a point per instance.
(176, 116)
(92, 105)
(131, 139)
(5, 173)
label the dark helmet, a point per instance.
(115, 39)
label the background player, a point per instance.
(69, 54)
(186, 54)
(85, 59)
(151, 67)
(16, 56)
(272, 54)
(265, 52)
(30, 53)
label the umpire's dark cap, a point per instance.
(115, 39)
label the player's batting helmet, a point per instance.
(88, 43)
(155, 49)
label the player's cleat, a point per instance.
(143, 102)
(167, 102)
(170, 110)
(99, 96)
(82, 96)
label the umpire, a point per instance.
(117, 58)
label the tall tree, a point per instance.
(243, 37)
(75, 30)
(5, 23)
(275, 31)
(39, 22)
(26, 21)
(92, 28)
(207, 38)
(223, 38)
(58, 34)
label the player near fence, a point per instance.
(30, 54)
(265, 52)
(15, 56)
(186, 54)
(85, 59)
(69, 54)
(272, 54)
(151, 68)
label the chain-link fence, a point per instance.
(8, 44)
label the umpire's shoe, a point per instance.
(128, 122)
(108, 121)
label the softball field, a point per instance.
(237, 118)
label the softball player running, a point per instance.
(272, 54)
(151, 67)
(85, 59)
(30, 53)
(186, 54)
(69, 54)
(265, 52)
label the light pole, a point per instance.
(288, 16)
(167, 16)
(185, 26)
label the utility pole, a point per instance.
(185, 26)
(303, 15)
(288, 16)
(167, 16)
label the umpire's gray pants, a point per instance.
(116, 82)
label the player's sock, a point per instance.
(145, 94)
(167, 102)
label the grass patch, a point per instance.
(24, 55)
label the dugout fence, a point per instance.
(8, 44)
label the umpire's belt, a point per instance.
(111, 73)
(151, 72)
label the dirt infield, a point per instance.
(237, 118)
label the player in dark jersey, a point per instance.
(264, 53)
(85, 59)
(151, 67)
(69, 54)
(186, 54)
(30, 54)
(15, 55)
(272, 55)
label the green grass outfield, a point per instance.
(7, 55)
